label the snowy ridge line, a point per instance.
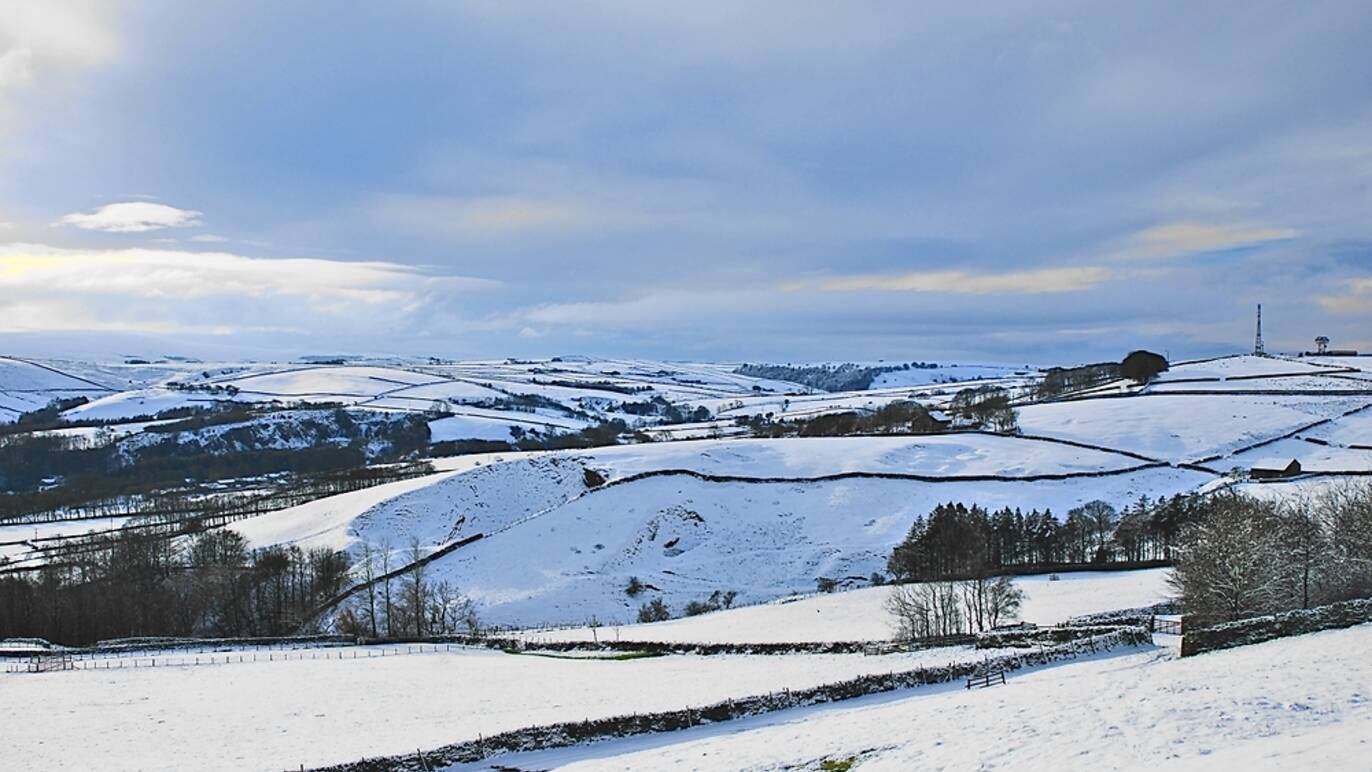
(566, 734)
(861, 475)
(1294, 432)
(1244, 632)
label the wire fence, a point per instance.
(133, 660)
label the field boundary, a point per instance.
(566, 734)
(1273, 626)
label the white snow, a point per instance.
(1313, 457)
(1296, 703)
(556, 552)
(1177, 427)
(1245, 365)
(311, 712)
(140, 402)
(860, 615)
(688, 538)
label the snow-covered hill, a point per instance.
(764, 518)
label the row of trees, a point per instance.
(1250, 556)
(898, 417)
(956, 540)
(213, 585)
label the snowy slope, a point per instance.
(1277, 383)
(1243, 366)
(688, 537)
(1296, 703)
(1313, 457)
(860, 615)
(26, 386)
(1180, 428)
(556, 550)
(1348, 430)
(280, 715)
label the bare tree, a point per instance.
(1232, 564)
(383, 550)
(415, 588)
(368, 567)
(989, 601)
(924, 610)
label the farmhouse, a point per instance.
(1274, 469)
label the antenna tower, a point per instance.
(1257, 341)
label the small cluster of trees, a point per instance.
(398, 604)
(985, 407)
(1248, 557)
(1138, 366)
(942, 608)
(899, 417)
(1142, 366)
(718, 600)
(670, 413)
(1061, 380)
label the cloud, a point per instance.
(1040, 281)
(1357, 299)
(1180, 239)
(132, 217)
(154, 289)
(40, 38)
(208, 238)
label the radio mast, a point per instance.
(1257, 340)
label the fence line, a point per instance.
(119, 661)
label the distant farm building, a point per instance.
(1273, 469)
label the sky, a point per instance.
(1038, 182)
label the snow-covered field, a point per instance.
(1295, 703)
(860, 615)
(280, 715)
(1277, 383)
(1244, 367)
(1312, 456)
(1180, 428)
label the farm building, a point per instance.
(1274, 469)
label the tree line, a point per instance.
(214, 585)
(898, 417)
(1249, 556)
(211, 585)
(956, 541)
